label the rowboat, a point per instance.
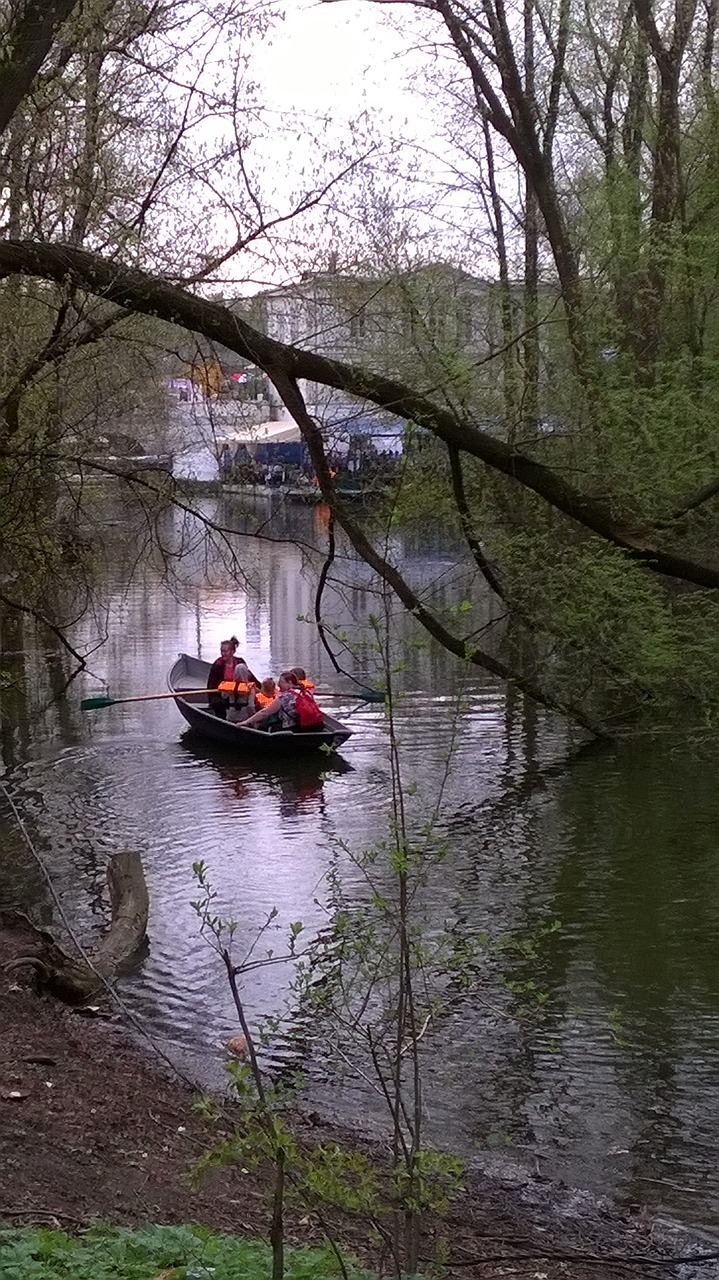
(189, 674)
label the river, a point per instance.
(588, 1050)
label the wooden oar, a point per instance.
(104, 700)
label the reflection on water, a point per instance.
(590, 1051)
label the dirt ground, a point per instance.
(93, 1127)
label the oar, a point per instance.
(104, 700)
(371, 695)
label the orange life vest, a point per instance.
(309, 685)
(236, 686)
(264, 699)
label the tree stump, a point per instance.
(70, 976)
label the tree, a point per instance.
(124, 126)
(554, 98)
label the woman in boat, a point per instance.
(223, 668)
(282, 711)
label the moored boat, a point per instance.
(187, 680)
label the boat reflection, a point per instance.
(295, 783)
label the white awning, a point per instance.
(263, 433)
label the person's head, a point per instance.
(242, 671)
(299, 673)
(288, 680)
(228, 647)
(268, 687)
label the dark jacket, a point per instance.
(217, 673)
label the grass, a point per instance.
(173, 1253)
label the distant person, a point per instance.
(226, 462)
(281, 712)
(222, 669)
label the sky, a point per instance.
(335, 58)
(342, 87)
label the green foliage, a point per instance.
(343, 1179)
(522, 954)
(431, 1182)
(189, 1253)
(575, 597)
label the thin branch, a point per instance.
(45, 621)
(292, 398)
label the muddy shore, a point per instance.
(95, 1127)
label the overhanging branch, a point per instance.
(151, 295)
(461, 647)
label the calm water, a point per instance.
(607, 1077)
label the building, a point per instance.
(436, 325)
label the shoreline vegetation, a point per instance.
(96, 1132)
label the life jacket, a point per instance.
(264, 699)
(309, 715)
(309, 685)
(238, 687)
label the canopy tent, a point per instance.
(262, 433)
(354, 439)
(345, 426)
(267, 442)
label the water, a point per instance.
(603, 1074)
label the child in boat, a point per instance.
(266, 693)
(301, 677)
(242, 699)
(281, 712)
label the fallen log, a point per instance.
(72, 977)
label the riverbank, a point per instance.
(94, 1128)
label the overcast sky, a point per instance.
(338, 60)
(334, 58)
(320, 69)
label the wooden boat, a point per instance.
(188, 674)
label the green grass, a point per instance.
(191, 1253)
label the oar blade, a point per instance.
(93, 704)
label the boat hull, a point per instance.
(190, 673)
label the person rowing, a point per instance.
(293, 709)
